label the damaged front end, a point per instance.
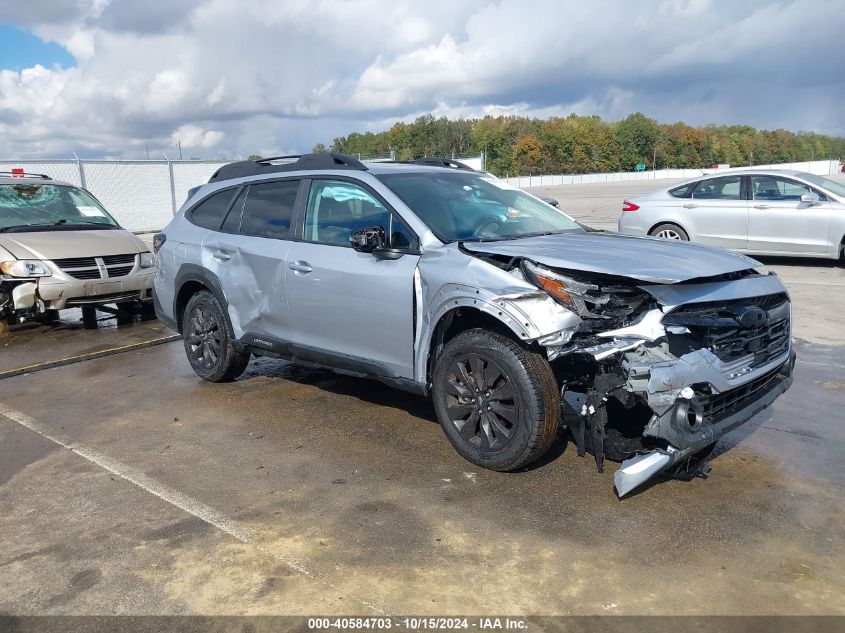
(17, 299)
(653, 375)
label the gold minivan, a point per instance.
(59, 248)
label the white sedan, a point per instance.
(759, 212)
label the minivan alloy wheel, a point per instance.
(480, 402)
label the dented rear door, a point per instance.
(248, 255)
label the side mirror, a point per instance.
(550, 201)
(369, 239)
(810, 198)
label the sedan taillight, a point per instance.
(629, 206)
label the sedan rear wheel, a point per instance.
(669, 232)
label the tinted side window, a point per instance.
(232, 222)
(776, 188)
(209, 213)
(683, 191)
(727, 188)
(336, 208)
(268, 209)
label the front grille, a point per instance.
(75, 262)
(716, 407)
(84, 274)
(110, 260)
(87, 268)
(120, 271)
(717, 327)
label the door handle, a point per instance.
(690, 205)
(300, 266)
(221, 256)
(762, 206)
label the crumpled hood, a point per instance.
(645, 259)
(61, 244)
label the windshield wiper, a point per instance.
(520, 236)
(15, 228)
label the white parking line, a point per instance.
(175, 498)
(148, 484)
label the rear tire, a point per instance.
(669, 231)
(208, 339)
(498, 403)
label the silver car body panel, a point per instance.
(755, 227)
(650, 260)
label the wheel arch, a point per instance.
(523, 318)
(192, 279)
(672, 222)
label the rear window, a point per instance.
(209, 213)
(268, 209)
(683, 191)
(725, 188)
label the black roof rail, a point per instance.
(321, 160)
(23, 174)
(439, 161)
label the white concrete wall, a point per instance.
(819, 167)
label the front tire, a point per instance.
(208, 340)
(669, 232)
(497, 402)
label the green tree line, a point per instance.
(587, 144)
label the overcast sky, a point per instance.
(109, 77)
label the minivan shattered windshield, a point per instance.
(476, 207)
(36, 207)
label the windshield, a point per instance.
(35, 207)
(475, 206)
(836, 188)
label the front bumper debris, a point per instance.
(695, 422)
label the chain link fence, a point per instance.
(142, 195)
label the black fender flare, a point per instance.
(193, 273)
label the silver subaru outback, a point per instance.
(514, 318)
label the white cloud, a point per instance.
(190, 136)
(230, 76)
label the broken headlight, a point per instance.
(578, 296)
(24, 268)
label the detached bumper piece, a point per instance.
(695, 423)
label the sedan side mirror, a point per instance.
(369, 239)
(810, 198)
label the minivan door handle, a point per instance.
(762, 206)
(221, 256)
(300, 266)
(690, 205)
